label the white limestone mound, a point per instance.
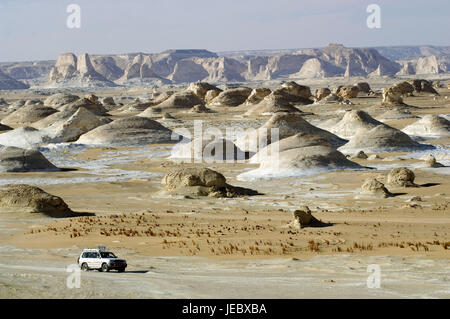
(22, 198)
(430, 125)
(298, 140)
(133, 130)
(14, 159)
(329, 123)
(352, 122)
(94, 106)
(285, 125)
(231, 97)
(381, 138)
(270, 105)
(60, 99)
(208, 148)
(24, 137)
(301, 161)
(177, 101)
(81, 122)
(27, 115)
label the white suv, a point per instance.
(100, 259)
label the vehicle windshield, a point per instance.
(107, 254)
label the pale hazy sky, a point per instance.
(36, 29)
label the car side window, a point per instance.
(96, 255)
(85, 255)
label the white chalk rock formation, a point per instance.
(381, 138)
(351, 123)
(14, 159)
(301, 161)
(27, 115)
(283, 125)
(430, 125)
(128, 131)
(208, 148)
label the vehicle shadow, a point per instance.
(136, 272)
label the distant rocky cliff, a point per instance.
(179, 66)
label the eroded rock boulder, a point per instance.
(401, 177)
(23, 198)
(201, 182)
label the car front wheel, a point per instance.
(104, 268)
(84, 267)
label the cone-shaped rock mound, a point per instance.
(208, 148)
(231, 97)
(271, 104)
(89, 104)
(60, 99)
(25, 137)
(381, 138)
(30, 199)
(285, 125)
(430, 125)
(133, 130)
(14, 159)
(352, 122)
(298, 140)
(301, 161)
(81, 122)
(27, 115)
(180, 100)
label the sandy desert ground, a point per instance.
(182, 247)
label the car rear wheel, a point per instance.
(121, 269)
(104, 268)
(84, 267)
